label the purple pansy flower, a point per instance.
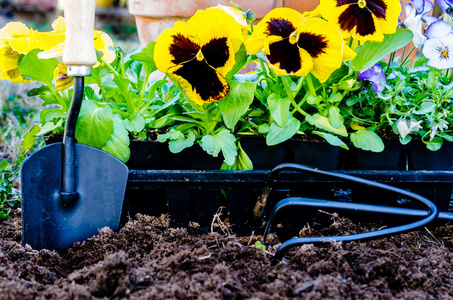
(446, 5)
(416, 14)
(376, 77)
(439, 46)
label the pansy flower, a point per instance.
(8, 55)
(446, 6)
(436, 125)
(296, 45)
(102, 42)
(40, 40)
(416, 14)
(439, 46)
(375, 76)
(62, 80)
(199, 53)
(405, 127)
(363, 19)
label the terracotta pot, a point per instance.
(301, 5)
(154, 16)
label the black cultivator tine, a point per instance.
(429, 215)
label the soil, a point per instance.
(145, 260)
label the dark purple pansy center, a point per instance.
(285, 53)
(201, 74)
(361, 18)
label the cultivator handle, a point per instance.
(79, 53)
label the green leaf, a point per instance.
(240, 59)
(435, 144)
(238, 101)
(314, 99)
(49, 126)
(335, 97)
(372, 52)
(171, 135)
(445, 136)
(323, 123)
(181, 143)
(146, 56)
(38, 69)
(425, 108)
(118, 145)
(335, 118)
(278, 134)
(177, 141)
(433, 80)
(5, 166)
(332, 139)
(136, 124)
(45, 94)
(279, 108)
(29, 139)
(242, 162)
(264, 128)
(367, 140)
(223, 141)
(94, 125)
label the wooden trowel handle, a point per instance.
(79, 53)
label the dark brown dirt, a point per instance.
(143, 261)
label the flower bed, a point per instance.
(145, 261)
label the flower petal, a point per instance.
(175, 46)
(215, 23)
(445, 4)
(439, 52)
(286, 58)
(62, 81)
(378, 17)
(324, 43)
(438, 29)
(278, 22)
(201, 82)
(14, 30)
(14, 76)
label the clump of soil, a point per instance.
(146, 261)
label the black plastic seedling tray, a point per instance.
(195, 196)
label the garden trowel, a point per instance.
(69, 190)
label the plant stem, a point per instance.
(402, 54)
(391, 58)
(290, 95)
(407, 56)
(57, 96)
(129, 103)
(142, 93)
(310, 85)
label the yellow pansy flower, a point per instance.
(62, 80)
(40, 40)
(239, 16)
(363, 19)
(102, 42)
(14, 76)
(8, 55)
(296, 45)
(199, 53)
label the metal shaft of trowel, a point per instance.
(79, 55)
(68, 184)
